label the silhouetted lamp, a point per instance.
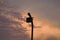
(30, 20)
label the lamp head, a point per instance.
(29, 19)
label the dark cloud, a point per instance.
(10, 29)
(9, 32)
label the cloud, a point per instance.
(47, 37)
(11, 29)
(10, 18)
(10, 25)
(52, 37)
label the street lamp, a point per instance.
(30, 20)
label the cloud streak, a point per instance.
(10, 25)
(11, 18)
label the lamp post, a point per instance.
(30, 20)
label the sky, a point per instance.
(46, 14)
(48, 9)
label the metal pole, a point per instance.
(32, 30)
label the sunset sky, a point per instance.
(46, 19)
